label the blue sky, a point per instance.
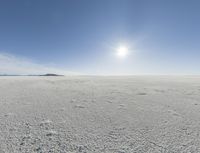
(82, 36)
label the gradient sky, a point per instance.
(82, 36)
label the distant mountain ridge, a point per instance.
(48, 74)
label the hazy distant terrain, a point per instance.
(100, 114)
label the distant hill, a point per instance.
(51, 74)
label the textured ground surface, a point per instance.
(100, 114)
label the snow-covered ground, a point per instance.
(90, 114)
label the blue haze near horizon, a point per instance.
(82, 35)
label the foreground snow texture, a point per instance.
(100, 114)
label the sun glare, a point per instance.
(122, 51)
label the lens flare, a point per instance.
(122, 51)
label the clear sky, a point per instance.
(83, 36)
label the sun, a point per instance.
(122, 51)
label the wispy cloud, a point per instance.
(10, 64)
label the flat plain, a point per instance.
(100, 114)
